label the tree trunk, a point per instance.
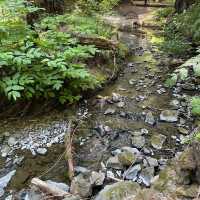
(51, 6)
(181, 5)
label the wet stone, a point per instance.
(146, 176)
(152, 162)
(110, 111)
(121, 104)
(5, 151)
(169, 115)
(132, 81)
(5, 180)
(183, 131)
(12, 141)
(79, 169)
(97, 178)
(157, 140)
(175, 103)
(113, 162)
(138, 141)
(61, 186)
(150, 118)
(116, 97)
(42, 151)
(132, 173)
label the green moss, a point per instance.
(195, 103)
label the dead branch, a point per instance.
(101, 43)
(68, 147)
(46, 188)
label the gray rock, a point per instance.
(116, 97)
(121, 104)
(113, 162)
(144, 131)
(150, 118)
(175, 103)
(157, 140)
(5, 180)
(161, 91)
(138, 141)
(169, 115)
(128, 156)
(12, 141)
(6, 134)
(131, 174)
(183, 131)
(146, 176)
(42, 151)
(97, 178)
(119, 191)
(80, 169)
(132, 81)
(81, 186)
(72, 198)
(18, 160)
(110, 111)
(5, 151)
(152, 162)
(61, 186)
(10, 197)
(116, 152)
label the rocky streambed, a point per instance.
(128, 133)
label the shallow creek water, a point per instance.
(139, 85)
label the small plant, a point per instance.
(195, 103)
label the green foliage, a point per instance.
(164, 13)
(77, 23)
(195, 103)
(170, 82)
(49, 62)
(182, 30)
(197, 136)
(91, 7)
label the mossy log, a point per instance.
(98, 42)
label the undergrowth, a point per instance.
(46, 61)
(181, 31)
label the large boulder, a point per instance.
(119, 191)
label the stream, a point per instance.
(127, 112)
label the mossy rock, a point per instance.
(119, 191)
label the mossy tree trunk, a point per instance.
(181, 5)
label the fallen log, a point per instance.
(68, 146)
(52, 190)
(101, 43)
(156, 5)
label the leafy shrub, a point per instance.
(77, 23)
(182, 30)
(47, 63)
(92, 6)
(195, 103)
